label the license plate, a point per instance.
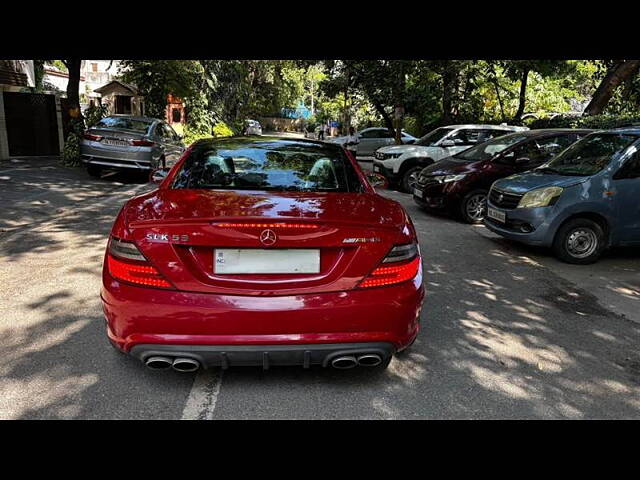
(497, 215)
(119, 143)
(256, 261)
(417, 192)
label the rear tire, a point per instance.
(579, 241)
(410, 178)
(473, 207)
(94, 171)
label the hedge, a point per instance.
(598, 122)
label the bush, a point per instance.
(221, 129)
(94, 114)
(599, 122)
(191, 135)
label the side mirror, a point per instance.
(377, 180)
(157, 176)
(447, 143)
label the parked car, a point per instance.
(373, 138)
(402, 163)
(252, 127)
(129, 143)
(460, 184)
(262, 251)
(581, 202)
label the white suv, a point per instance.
(401, 164)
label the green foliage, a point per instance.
(156, 79)
(594, 121)
(71, 152)
(221, 129)
(94, 114)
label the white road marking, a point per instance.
(203, 396)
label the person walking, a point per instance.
(351, 142)
(321, 132)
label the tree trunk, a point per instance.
(73, 89)
(399, 103)
(388, 122)
(448, 82)
(620, 72)
(523, 95)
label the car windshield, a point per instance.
(490, 149)
(268, 165)
(433, 136)
(125, 123)
(589, 155)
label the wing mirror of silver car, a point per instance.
(377, 181)
(158, 175)
(447, 143)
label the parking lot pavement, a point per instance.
(507, 332)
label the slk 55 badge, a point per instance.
(163, 237)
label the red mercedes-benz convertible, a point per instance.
(262, 251)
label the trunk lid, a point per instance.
(180, 230)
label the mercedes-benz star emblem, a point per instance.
(268, 237)
(500, 198)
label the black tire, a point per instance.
(470, 211)
(94, 171)
(579, 241)
(409, 178)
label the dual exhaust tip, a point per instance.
(350, 361)
(178, 364)
(182, 364)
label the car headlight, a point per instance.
(453, 178)
(543, 197)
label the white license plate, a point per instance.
(256, 261)
(119, 143)
(417, 192)
(497, 215)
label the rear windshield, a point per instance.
(124, 123)
(268, 165)
(590, 155)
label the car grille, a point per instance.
(503, 199)
(379, 155)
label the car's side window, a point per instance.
(465, 137)
(630, 168)
(489, 134)
(551, 146)
(370, 134)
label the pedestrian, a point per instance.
(321, 132)
(351, 142)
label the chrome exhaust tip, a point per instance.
(186, 365)
(344, 363)
(369, 360)
(158, 363)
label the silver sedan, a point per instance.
(134, 144)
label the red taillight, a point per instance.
(93, 138)
(142, 143)
(138, 271)
(383, 276)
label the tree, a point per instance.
(620, 71)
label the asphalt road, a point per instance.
(507, 331)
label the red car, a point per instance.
(262, 251)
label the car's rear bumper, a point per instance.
(226, 356)
(143, 316)
(116, 157)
